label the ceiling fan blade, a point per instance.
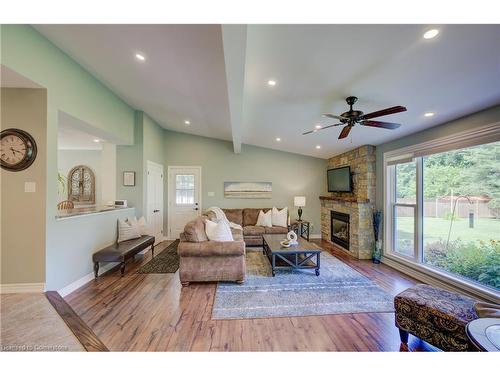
(381, 124)
(324, 127)
(332, 116)
(384, 112)
(345, 131)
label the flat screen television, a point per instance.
(339, 179)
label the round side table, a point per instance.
(484, 333)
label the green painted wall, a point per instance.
(291, 174)
(70, 88)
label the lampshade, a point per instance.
(299, 201)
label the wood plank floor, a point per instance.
(152, 312)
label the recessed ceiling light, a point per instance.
(429, 114)
(432, 33)
(318, 147)
(187, 122)
(271, 82)
(97, 140)
(318, 126)
(140, 57)
(278, 139)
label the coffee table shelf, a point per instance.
(304, 255)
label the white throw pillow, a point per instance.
(265, 219)
(126, 231)
(218, 231)
(141, 225)
(280, 218)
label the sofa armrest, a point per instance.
(211, 248)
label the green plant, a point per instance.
(61, 183)
(478, 261)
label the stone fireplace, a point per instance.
(339, 228)
(351, 213)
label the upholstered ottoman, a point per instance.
(436, 316)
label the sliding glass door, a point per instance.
(445, 212)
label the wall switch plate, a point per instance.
(30, 187)
(211, 194)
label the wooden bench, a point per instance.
(121, 252)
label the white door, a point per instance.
(154, 200)
(184, 198)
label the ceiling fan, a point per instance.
(353, 117)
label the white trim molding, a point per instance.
(68, 289)
(22, 288)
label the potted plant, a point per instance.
(377, 246)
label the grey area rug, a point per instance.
(165, 262)
(338, 290)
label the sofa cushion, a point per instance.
(250, 215)
(234, 215)
(252, 230)
(276, 230)
(219, 231)
(194, 231)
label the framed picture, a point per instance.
(248, 190)
(128, 178)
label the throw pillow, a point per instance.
(265, 219)
(218, 231)
(280, 217)
(126, 231)
(141, 225)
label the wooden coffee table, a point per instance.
(304, 255)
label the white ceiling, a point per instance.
(216, 77)
(71, 138)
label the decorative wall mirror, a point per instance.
(81, 185)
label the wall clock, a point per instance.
(17, 148)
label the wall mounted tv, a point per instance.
(339, 179)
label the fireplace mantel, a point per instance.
(344, 199)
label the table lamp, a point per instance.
(299, 202)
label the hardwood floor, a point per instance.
(152, 312)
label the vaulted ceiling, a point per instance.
(216, 77)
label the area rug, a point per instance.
(338, 290)
(165, 262)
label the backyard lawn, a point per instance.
(437, 228)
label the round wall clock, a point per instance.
(18, 149)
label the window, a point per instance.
(81, 185)
(184, 189)
(443, 210)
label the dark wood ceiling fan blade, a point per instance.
(345, 131)
(384, 112)
(329, 115)
(380, 124)
(317, 130)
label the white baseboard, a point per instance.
(22, 288)
(84, 280)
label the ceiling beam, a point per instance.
(234, 40)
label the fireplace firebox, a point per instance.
(340, 229)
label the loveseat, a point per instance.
(247, 218)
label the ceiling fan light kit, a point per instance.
(353, 117)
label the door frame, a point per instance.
(169, 185)
(155, 165)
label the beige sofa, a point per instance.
(247, 218)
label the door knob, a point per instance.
(154, 211)
(196, 208)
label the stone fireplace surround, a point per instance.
(358, 204)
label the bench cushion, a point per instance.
(435, 315)
(118, 252)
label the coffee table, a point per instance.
(304, 255)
